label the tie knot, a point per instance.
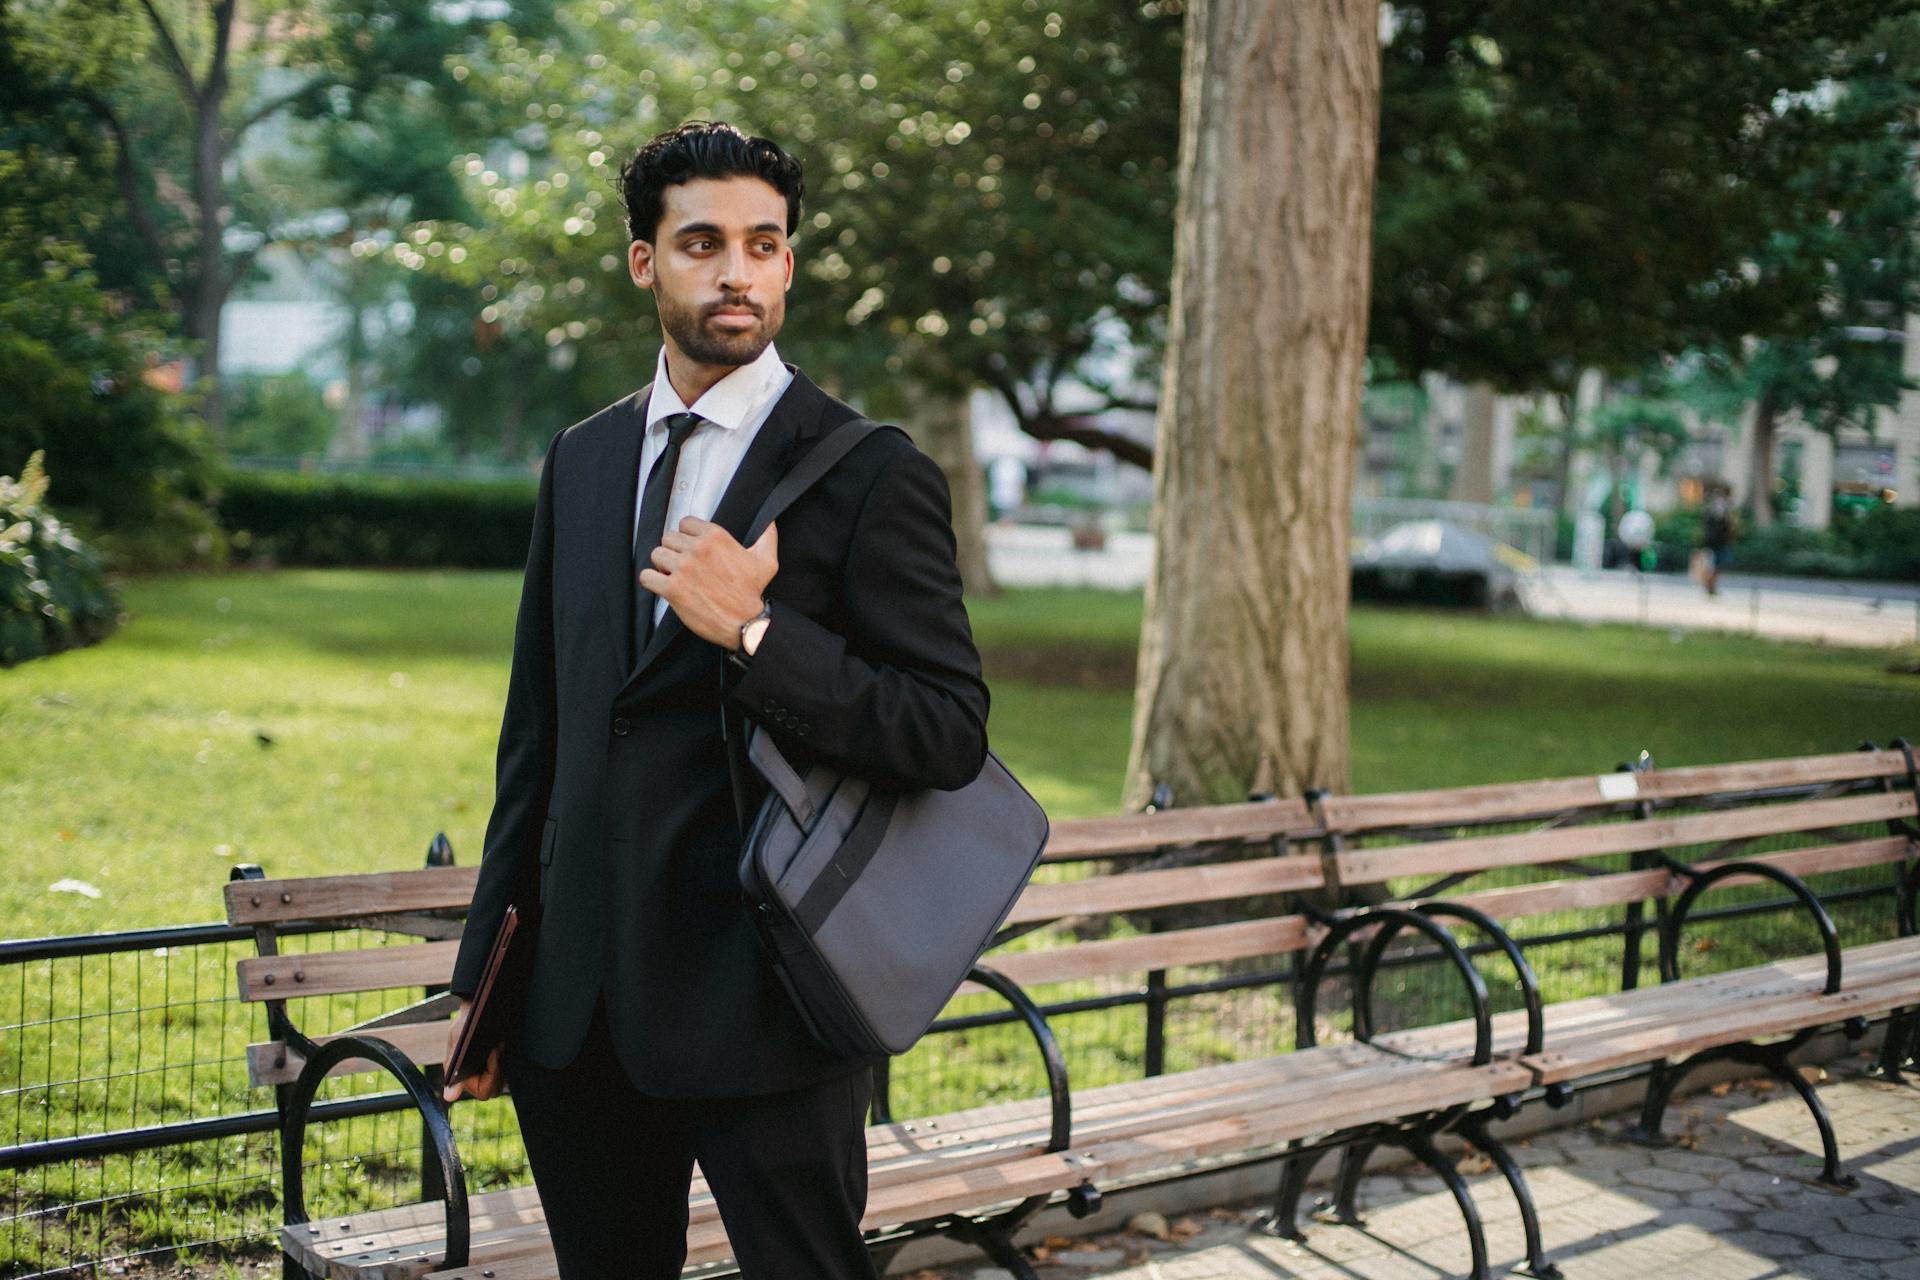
(680, 426)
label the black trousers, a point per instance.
(788, 1171)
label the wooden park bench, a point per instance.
(975, 1174)
(1621, 840)
(979, 1173)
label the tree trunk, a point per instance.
(1760, 475)
(943, 427)
(1242, 680)
(1473, 479)
(1569, 403)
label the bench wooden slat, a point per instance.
(1141, 890)
(1481, 853)
(346, 897)
(1144, 832)
(321, 973)
(1515, 801)
(1206, 944)
(1634, 886)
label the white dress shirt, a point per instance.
(734, 408)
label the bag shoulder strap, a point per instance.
(806, 473)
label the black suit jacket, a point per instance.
(612, 801)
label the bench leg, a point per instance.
(1899, 1046)
(1653, 1108)
(1283, 1220)
(1830, 1175)
(996, 1241)
(1353, 1165)
(1496, 1151)
(1421, 1145)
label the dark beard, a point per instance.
(687, 327)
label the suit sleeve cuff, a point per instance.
(782, 675)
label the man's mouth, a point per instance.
(735, 317)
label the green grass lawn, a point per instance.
(334, 721)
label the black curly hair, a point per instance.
(702, 149)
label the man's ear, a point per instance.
(640, 264)
(789, 283)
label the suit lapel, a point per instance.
(768, 458)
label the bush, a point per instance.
(53, 590)
(294, 518)
(1885, 541)
(279, 415)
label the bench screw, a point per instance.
(268, 980)
(256, 899)
(286, 897)
(299, 975)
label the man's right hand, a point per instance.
(490, 1083)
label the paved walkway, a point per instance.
(1731, 1200)
(1865, 614)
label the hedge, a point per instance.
(294, 518)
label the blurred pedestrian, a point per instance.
(1716, 535)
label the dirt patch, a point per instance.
(1074, 668)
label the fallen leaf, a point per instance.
(1149, 1224)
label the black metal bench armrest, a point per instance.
(1395, 918)
(1529, 984)
(1061, 1134)
(293, 1132)
(1698, 882)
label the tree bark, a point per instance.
(1473, 479)
(1242, 680)
(943, 427)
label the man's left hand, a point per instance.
(710, 580)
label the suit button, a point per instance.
(769, 707)
(621, 726)
(800, 730)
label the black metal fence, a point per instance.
(135, 1145)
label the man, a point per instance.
(656, 1034)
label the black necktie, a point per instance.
(653, 517)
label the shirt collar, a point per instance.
(729, 402)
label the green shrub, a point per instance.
(1885, 541)
(296, 518)
(53, 590)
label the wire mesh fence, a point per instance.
(136, 1144)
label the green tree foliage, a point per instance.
(1573, 186)
(280, 415)
(989, 199)
(75, 360)
(172, 90)
(1853, 232)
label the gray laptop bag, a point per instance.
(873, 903)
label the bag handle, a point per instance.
(761, 751)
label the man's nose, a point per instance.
(734, 276)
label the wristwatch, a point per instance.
(751, 632)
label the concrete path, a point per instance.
(1730, 1200)
(1874, 615)
(1867, 615)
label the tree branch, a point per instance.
(223, 13)
(176, 62)
(271, 105)
(127, 172)
(1082, 431)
